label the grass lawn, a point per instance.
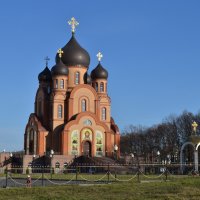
(180, 188)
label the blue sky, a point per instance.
(151, 50)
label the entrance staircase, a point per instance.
(101, 162)
(90, 161)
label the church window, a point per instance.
(83, 105)
(99, 143)
(61, 84)
(101, 87)
(77, 78)
(56, 84)
(65, 165)
(103, 114)
(60, 111)
(48, 89)
(96, 87)
(87, 122)
(31, 134)
(57, 165)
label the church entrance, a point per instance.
(87, 148)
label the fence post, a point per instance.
(76, 173)
(166, 173)
(108, 173)
(42, 175)
(6, 177)
(138, 174)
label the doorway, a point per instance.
(87, 148)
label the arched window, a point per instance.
(101, 87)
(103, 114)
(31, 134)
(96, 86)
(65, 165)
(77, 78)
(57, 165)
(61, 84)
(56, 83)
(60, 111)
(83, 105)
(48, 89)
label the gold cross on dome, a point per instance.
(99, 56)
(73, 23)
(194, 126)
(60, 52)
(47, 60)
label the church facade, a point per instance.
(72, 115)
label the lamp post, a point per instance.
(32, 166)
(132, 157)
(158, 160)
(167, 161)
(10, 158)
(115, 150)
(138, 166)
(51, 156)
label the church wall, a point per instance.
(112, 142)
(41, 143)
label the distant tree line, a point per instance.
(167, 138)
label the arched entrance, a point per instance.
(188, 157)
(87, 148)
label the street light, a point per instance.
(51, 156)
(11, 155)
(168, 159)
(158, 160)
(115, 150)
(132, 157)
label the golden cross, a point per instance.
(73, 23)
(194, 126)
(60, 52)
(99, 56)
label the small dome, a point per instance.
(45, 75)
(74, 54)
(59, 69)
(87, 79)
(99, 72)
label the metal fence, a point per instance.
(89, 174)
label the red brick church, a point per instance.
(72, 114)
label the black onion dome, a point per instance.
(45, 75)
(99, 72)
(59, 69)
(87, 79)
(74, 54)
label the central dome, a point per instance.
(74, 54)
